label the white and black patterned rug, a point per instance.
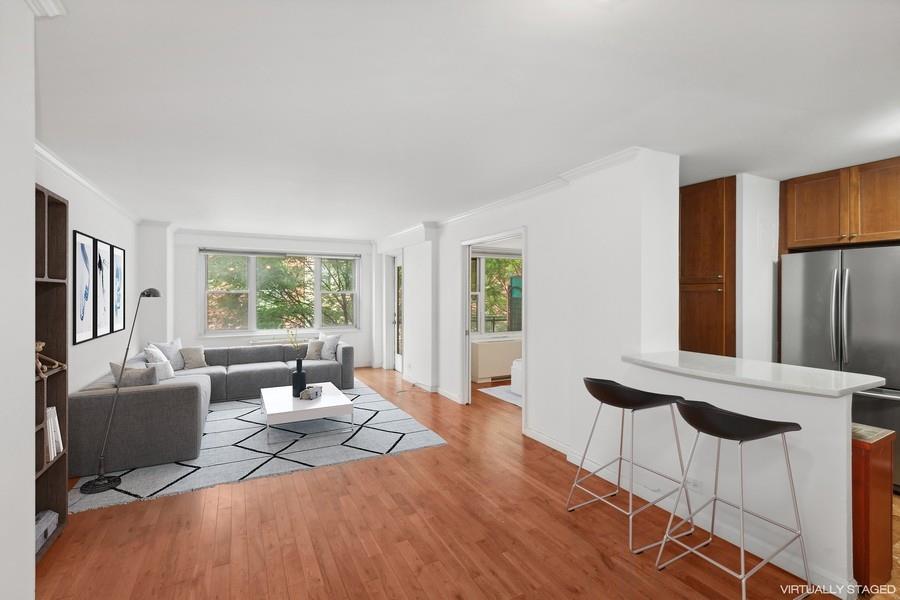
(235, 446)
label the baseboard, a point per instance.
(547, 440)
(427, 388)
(450, 395)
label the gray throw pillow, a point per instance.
(134, 377)
(194, 357)
(314, 350)
(152, 354)
(172, 351)
(329, 350)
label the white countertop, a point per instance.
(757, 373)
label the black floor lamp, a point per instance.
(104, 482)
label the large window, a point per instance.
(270, 293)
(495, 294)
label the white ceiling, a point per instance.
(358, 118)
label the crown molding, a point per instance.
(602, 163)
(187, 232)
(46, 8)
(561, 180)
(44, 153)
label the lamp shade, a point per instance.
(150, 293)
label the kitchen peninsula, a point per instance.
(819, 400)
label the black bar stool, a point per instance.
(628, 399)
(726, 425)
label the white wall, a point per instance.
(157, 266)
(17, 240)
(606, 233)
(756, 260)
(94, 214)
(188, 287)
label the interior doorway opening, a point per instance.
(494, 330)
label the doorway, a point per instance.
(494, 320)
(398, 315)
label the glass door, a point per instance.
(398, 317)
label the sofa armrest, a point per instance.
(153, 424)
(345, 358)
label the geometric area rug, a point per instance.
(235, 447)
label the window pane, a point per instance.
(337, 310)
(225, 273)
(226, 311)
(473, 313)
(285, 292)
(473, 275)
(337, 274)
(502, 294)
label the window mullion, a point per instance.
(317, 287)
(481, 320)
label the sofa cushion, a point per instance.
(216, 356)
(242, 355)
(318, 371)
(203, 381)
(245, 380)
(217, 379)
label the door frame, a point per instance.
(465, 335)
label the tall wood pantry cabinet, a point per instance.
(707, 267)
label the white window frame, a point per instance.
(251, 296)
(481, 333)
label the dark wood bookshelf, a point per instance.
(51, 326)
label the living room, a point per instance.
(283, 252)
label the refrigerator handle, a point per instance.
(845, 290)
(833, 320)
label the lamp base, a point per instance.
(100, 484)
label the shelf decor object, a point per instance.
(104, 482)
(51, 435)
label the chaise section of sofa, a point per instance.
(152, 425)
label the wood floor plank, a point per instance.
(481, 517)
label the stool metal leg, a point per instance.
(578, 480)
(631, 512)
(787, 463)
(712, 523)
(744, 574)
(741, 478)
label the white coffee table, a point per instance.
(280, 407)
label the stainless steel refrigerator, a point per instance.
(840, 310)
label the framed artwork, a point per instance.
(83, 291)
(118, 289)
(103, 284)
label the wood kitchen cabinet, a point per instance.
(847, 206)
(707, 267)
(872, 494)
(818, 209)
(875, 201)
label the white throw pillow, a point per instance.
(172, 351)
(152, 354)
(164, 370)
(329, 349)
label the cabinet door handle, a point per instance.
(853, 235)
(719, 290)
(843, 235)
(719, 276)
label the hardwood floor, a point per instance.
(482, 517)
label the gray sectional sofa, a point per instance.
(163, 423)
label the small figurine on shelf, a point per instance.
(43, 364)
